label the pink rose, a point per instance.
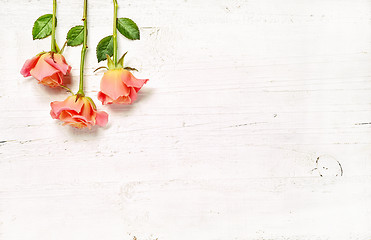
(47, 68)
(119, 86)
(78, 113)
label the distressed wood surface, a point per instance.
(255, 125)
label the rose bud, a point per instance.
(119, 86)
(78, 112)
(47, 68)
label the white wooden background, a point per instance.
(246, 99)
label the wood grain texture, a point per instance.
(249, 103)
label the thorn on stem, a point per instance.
(52, 56)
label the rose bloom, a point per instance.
(47, 68)
(79, 114)
(119, 86)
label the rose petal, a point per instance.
(73, 119)
(78, 114)
(78, 125)
(66, 116)
(43, 69)
(104, 98)
(112, 85)
(54, 116)
(131, 81)
(87, 113)
(52, 81)
(102, 118)
(123, 100)
(68, 104)
(28, 65)
(58, 63)
(133, 94)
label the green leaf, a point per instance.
(75, 36)
(43, 26)
(128, 28)
(105, 47)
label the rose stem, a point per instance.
(83, 51)
(53, 45)
(115, 32)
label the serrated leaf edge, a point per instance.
(124, 33)
(75, 37)
(51, 19)
(100, 60)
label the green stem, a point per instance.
(62, 50)
(115, 32)
(83, 51)
(53, 45)
(69, 90)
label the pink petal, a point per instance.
(58, 63)
(87, 113)
(123, 100)
(131, 81)
(68, 104)
(133, 94)
(53, 81)
(28, 65)
(66, 116)
(43, 69)
(78, 124)
(102, 118)
(104, 98)
(54, 116)
(82, 119)
(112, 85)
(70, 118)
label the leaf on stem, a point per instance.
(128, 28)
(105, 47)
(75, 36)
(43, 26)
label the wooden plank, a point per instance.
(255, 125)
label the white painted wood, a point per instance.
(245, 100)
